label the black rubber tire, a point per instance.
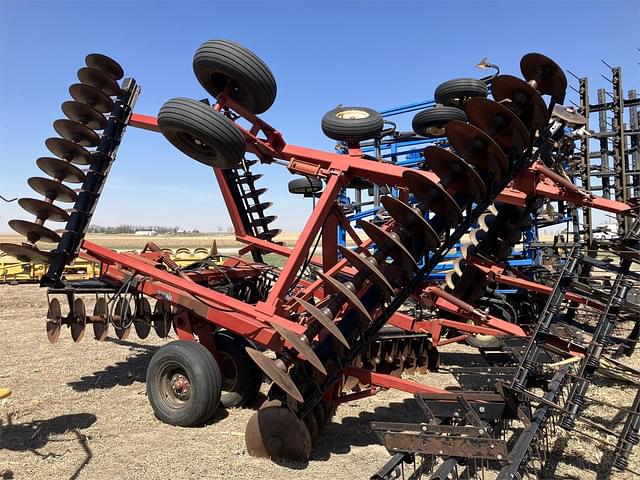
(306, 186)
(430, 122)
(217, 61)
(243, 388)
(194, 361)
(352, 124)
(184, 122)
(455, 93)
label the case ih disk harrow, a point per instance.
(338, 334)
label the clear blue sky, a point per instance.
(375, 54)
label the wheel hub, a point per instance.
(180, 386)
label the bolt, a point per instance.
(424, 428)
(492, 446)
(481, 431)
(481, 409)
(499, 457)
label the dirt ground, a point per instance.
(80, 411)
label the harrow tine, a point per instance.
(78, 321)
(61, 170)
(477, 148)
(76, 132)
(390, 242)
(350, 296)
(301, 346)
(367, 264)
(54, 320)
(411, 219)
(69, 151)
(275, 373)
(325, 320)
(455, 173)
(52, 189)
(432, 196)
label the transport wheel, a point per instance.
(430, 122)
(218, 62)
(201, 133)
(352, 124)
(183, 384)
(455, 93)
(306, 186)
(241, 377)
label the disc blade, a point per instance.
(411, 219)
(26, 253)
(69, 151)
(79, 321)
(34, 232)
(54, 320)
(263, 222)
(433, 196)
(52, 189)
(455, 173)
(99, 79)
(499, 123)
(549, 77)
(95, 97)
(325, 320)
(366, 264)
(271, 370)
(122, 324)
(269, 234)
(106, 64)
(477, 148)
(386, 241)
(101, 328)
(162, 318)
(84, 114)
(61, 170)
(531, 107)
(569, 116)
(76, 132)
(302, 347)
(259, 207)
(142, 320)
(350, 297)
(43, 210)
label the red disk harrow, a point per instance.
(345, 324)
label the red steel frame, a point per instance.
(206, 307)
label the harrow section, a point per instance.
(328, 329)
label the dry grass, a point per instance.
(80, 411)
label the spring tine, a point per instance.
(275, 373)
(350, 297)
(301, 346)
(325, 320)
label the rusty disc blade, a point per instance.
(69, 151)
(467, 250)
(106, 64)
(486, 220)
(569, 115)
(455, 173)
(275, 431)
(549, 77)
(499, 123)
(26, 253)
(451, 278)
(52, 189)
(54, 320)
(276, 374)
(301, 346)
(43, 210)
(101, 327)
(142, 321)
(76, 132)
(390, 243)
(433, 196)
(162, 318)
(477, 148)
(531, 107)
(122, 325)
(93, 96)
(84, 114)
(476, 236)
(61, 170)
(325, 320)
(99, 79)
(79, 321)
(367, 264)
(411, 219)
(34, 232)
(349, 296)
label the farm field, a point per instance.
(80, 411)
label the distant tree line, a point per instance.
(136, 228)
